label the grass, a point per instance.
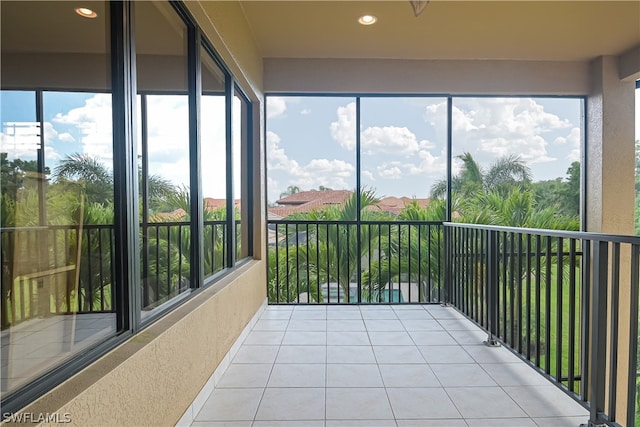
(555, 309)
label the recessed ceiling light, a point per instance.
(367, 20)
(86, 13)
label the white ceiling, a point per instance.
(525, 30)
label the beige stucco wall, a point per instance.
(610, 149)
(425, 76)
(224, 25)
(152, 378)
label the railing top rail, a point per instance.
(97, 226)
(56, 227)
(350, 222)
(166, 223)
(580, 235)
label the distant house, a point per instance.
(211, 204)
(308, 201)
(395, 205)
(178, 215)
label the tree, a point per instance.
(330, 254)
(93, 177)
(504, 174)
(292, 189)
(15, 172)
(563, 195)
(19, 198)
(414, 253)
(96, 181)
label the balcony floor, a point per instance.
(404, 365)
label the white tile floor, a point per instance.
(373, 366)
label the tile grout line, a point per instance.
(264, 389)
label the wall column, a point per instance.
(610, 150)
(610, 188)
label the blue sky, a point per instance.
(311, 140)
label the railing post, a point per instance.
(448, 283)
(492, 287)
(633, 334)
(598, 362)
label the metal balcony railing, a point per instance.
(57, 270)
(555, 298)
(64, 269)
(334, 262)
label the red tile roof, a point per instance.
(395, 205)
(327, 196)
(307, 201)
(213, 204)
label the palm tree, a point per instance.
(504, 174)
(330, 253)
(292, 189)
(96, 181)
(414, 254)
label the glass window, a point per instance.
(58, 289)
(214, 164)
(240, 160)
(163, 153)
(311, 155)
(516, 161)
(403, 152)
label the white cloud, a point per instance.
(50, 133)
(389, 171)
(66, 137)
(368, 175)
(276, 106)
(375, 139)
(93, 122)
(276, 157)
(389, 140)
(502, 126)
(574, 139)
(427, 165)
(330, 173)
(344, 129)
(305, 112)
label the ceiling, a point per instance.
(447, 29)
(524, 30)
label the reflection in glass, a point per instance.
(240, 143)
(214, 168)
(163, 153)
(58, 287)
